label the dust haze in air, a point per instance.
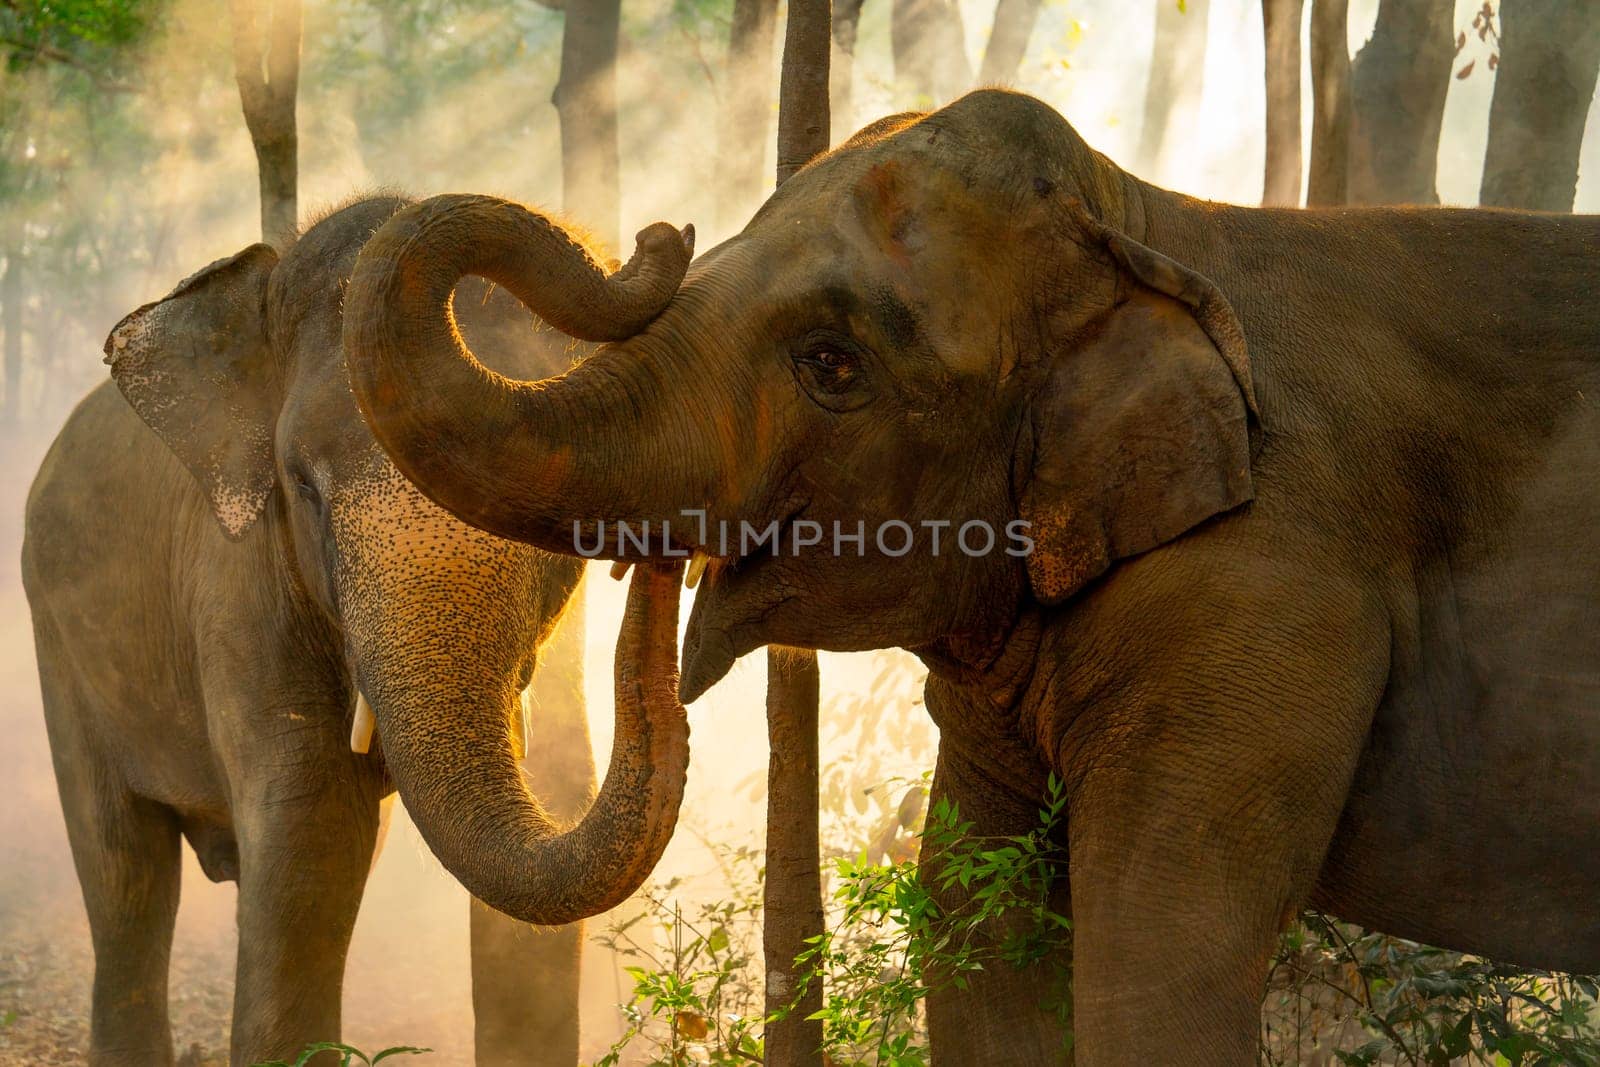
(471, 111)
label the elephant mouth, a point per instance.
(734, 604)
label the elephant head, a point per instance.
(946, 324)
(240, 371)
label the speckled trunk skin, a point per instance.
(444, 688)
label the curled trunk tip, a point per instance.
(489, 830)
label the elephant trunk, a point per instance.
(534, 462)
(442, 620)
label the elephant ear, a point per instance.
(1141, 426)
(196, 367)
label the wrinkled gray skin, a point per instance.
(1313, 611)
(203, 685)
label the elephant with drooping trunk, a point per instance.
(1305, 609)
(251, 628)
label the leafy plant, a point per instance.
(888, 945)
(892, 942)
(348, 1054)
(1370, 998)
(698, 1000)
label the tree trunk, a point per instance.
(792, 905)
(1177, 67)
(930, 52)
(11, 314)
(266, 65)
(586, 103)
(1008, 40)
(1549, 56)
(803, 93)
(746, 106)
(1282, 20)
(841, 69)
(1330, 115)
(1397, 89)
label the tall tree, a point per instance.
(930, 50)
(841, 68)
(792, 902)
(746, 110)
(11, 311)
(1177, 67)
(792, 898)
(803, 87)
(266, 64)
(1398, 84)
(586, 103)
(1376, 122)
(1549, 57)
(64, 68)
(1008, 40)
(1328, 182)
(1282, 20)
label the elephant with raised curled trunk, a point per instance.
(1309, 608)
(251, 628)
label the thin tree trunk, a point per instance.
(792, 905)
(746, 110)
(803, 92)
(841, 69)
(1282, 20)
(1397, 89)
(266, 65)
(1177, 67)
(586, 104)
(11, 314)
(1549, 57)
(930, 52)
(1008, 40)
(1330, 116)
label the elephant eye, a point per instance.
(830, 366)
(828, 356)
(304, 487)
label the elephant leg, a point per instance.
(1004, 1015)
(525, 978)
(304, 857)
(1201, 807)
(127, 855)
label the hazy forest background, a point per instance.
(125, 164)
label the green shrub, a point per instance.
(1368, 998)
(348, 1054)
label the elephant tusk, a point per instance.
(362, 725)
(619, 569)
(696, 569)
